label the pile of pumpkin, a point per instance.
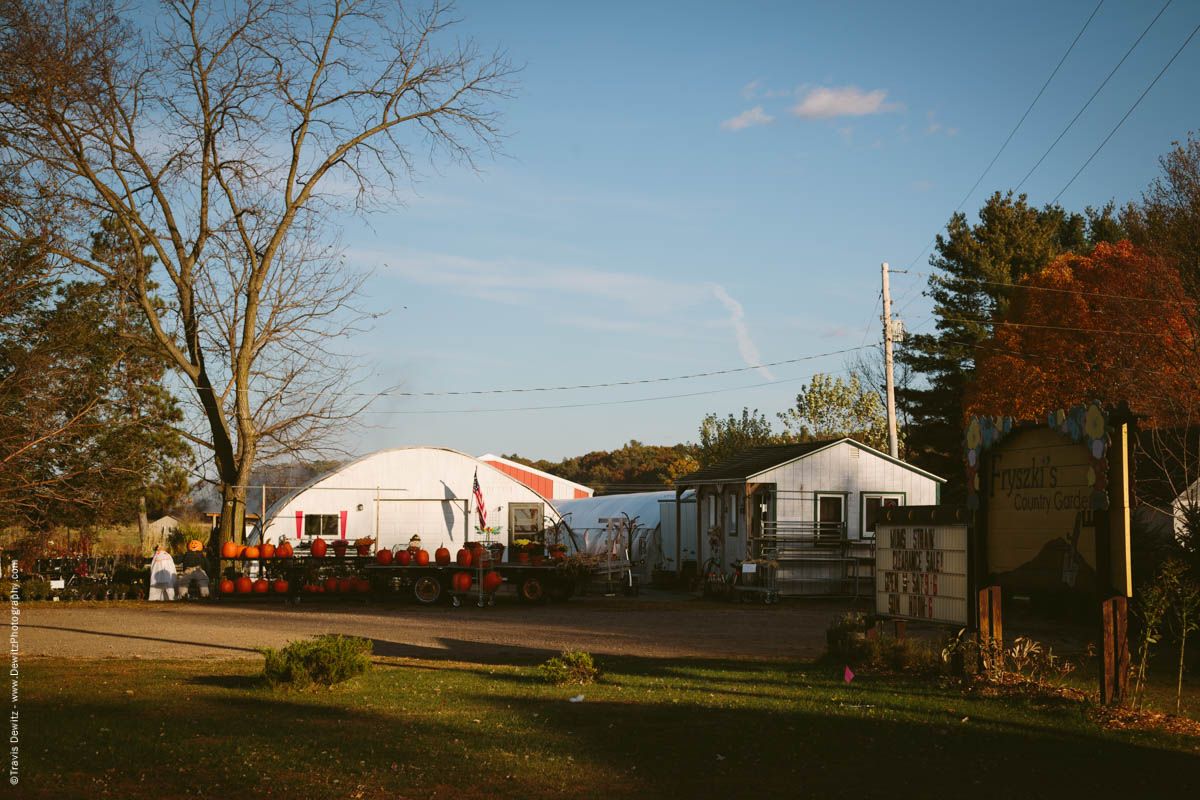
(459, 581)
(232, 550)
(244, 585)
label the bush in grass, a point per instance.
(33, 589)
(847, 642)
(323, 660)
(574, 666)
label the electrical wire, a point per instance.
(1127, 113)
(1053, 289)
(1093, 97)
(1016, 127)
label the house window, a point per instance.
(525, 522)
(872, 505)
(831, 518)
(317, 525)
(731, 500)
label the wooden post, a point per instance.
(991, 628)
(1114, 661)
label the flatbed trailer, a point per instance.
(425, 584)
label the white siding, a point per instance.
(421, 490)
(843, 468)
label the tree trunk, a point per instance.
(1179, 688)
(143, 525)
(233, 514)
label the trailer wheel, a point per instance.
(427, 590)
(532, 590)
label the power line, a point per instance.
(1093, 97)
(1127, 113)
(1052, 289)
(1016, 127)
(611, 384)
(1054, 327)
(610, 402)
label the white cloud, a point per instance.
(845, 101)
(753, 116)
(749, 89)
(737, 318)
(922, 186)
(934, 126)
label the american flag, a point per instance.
(479, 501)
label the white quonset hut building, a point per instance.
(811, 507)
(393, 494)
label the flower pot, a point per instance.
(363, 549)
(523, 557)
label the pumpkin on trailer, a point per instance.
(384, 557)
(267, 550)
(251, 552)
(461, 582)
(280, 586)
(318, 547)
(442, 556)
(331, 584)
(404, 558)
(261, 586)
(244, 585)
(241, 551)
(492, 581)
(283, 551)
(422, 557)
(464, 557)
(345, 585)
(226, 586)
(363, 585)
(229, 550)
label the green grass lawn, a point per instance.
(650, 728)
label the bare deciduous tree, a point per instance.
(219, 138)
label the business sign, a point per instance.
(1041, 519)
(921, 572)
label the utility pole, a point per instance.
(893, 446)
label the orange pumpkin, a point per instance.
(422, 558)
(261, 586)
(404, 558)
(384, 557)
(464, 557)
(251, 552)
(461, 581)
(492, 581)
(362, 585)
(267, 550)
(283, 551)
(442, 556)
(244, 585)
(345, 585)
(319, 547)
(280, 586)
(331, 584)
(226, 587)
(229, 550)
(241, 551)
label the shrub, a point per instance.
(323, 660)
(33, 589)
(847, 642)
(574, 666)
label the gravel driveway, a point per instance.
(656, 625)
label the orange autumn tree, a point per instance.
(1113, 324)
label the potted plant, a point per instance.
(339, 547)
(364, 545)
(557, 551)
(523, 549)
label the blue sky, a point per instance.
(704, 186)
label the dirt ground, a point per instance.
(659, 625)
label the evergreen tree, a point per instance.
(977, 267)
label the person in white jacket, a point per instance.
(162, 575)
